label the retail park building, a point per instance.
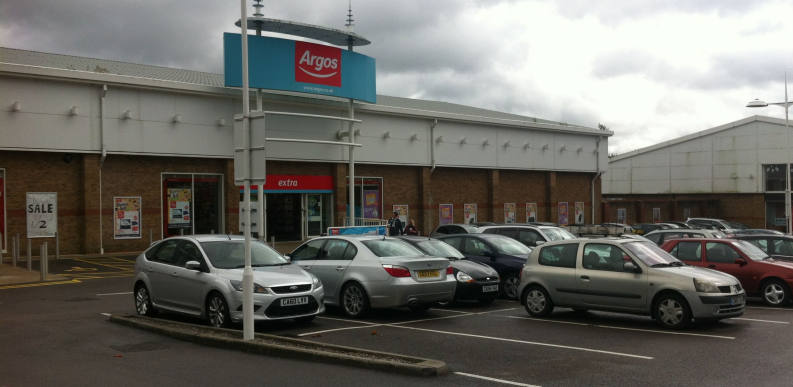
(168, 143)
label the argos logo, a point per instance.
(318, 64)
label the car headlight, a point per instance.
(463, 277)
(237, 285)
(317, 283)
(703, 286)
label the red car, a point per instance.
(759, 274)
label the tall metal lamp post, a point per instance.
(757, 103)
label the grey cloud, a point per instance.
(616, 11)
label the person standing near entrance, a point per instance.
(411, 229)
(394, 225)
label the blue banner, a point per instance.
(363, 230)
(289, 65)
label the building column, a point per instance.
(551, 200)
(232, 223)
(340, 182)
(91, 210)
(493, 197)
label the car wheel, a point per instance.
(537, 302)
(354, 301)
(510, 286)
(218, 311)
(673, 312)
(143, 302)
(305, 320)
(487, 301)
(775, 293)
(419, 308)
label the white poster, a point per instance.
(42, 214)
(469, 213)
(179, 208)
(127, 212)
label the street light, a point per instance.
(757, 103)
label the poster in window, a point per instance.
(42, 214)
(179, 212)
(621, 215)
(446, 212)
(402, 210)
(127, 219)
(531, 212)
(469, 213)
(510, 213)
(371, 204)
(686, 213)
(656, 215)
(579, 212)
(563, 213)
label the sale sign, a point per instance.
(127, 219)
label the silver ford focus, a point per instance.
(201, 276)
(366, 271)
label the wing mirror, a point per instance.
(740, 261)
(288, 257)
(488, 253)
(539, 243)
(193, 265)
(631, 267)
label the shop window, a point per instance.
(368, 199)
(192, 204)
(774, 177)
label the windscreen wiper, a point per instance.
(661, 265)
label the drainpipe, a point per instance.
(432, 145)
(597, 174)
(102, 93)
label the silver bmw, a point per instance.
(365, 271)
(201, 276)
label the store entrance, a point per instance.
(284, 216)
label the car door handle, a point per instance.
(306, 267)
(712, 266)
(151, 270)
(339, 268)
(174, 274)
(585, 277)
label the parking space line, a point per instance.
(35, 284)
(525, 342)
(105, 314)
(495, 380)
(627, 329)
(769, 308)
(753, 319)
(113, 294)
(338, 329)
(352, 321)
(450, 310)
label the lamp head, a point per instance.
(757, 103)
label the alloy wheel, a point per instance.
(353, 300)
(774, 294)
(536, 301)
(670, 312)
(142, 301)
(217, 312)
(511, 287)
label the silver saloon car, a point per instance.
(629, 276)
(366, 271)
(201, 276)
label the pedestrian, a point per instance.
(411, 228)
(394, 225)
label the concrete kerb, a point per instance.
(320, 352)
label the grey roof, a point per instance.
(77, 63)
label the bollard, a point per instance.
(30, 254)
(19, 246)
(14, 252)
(43, 262)
(181, 231)
(212, 231)
(272, 242)
(57, 245)
(151, 237)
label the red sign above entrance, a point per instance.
(315, 63)
(297, 183)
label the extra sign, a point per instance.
(42, 214)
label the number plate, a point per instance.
(428, 273)
(491, 288)
(294, 301)
(736, 300)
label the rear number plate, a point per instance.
(491, 288)
(294, 301)
(736, 300)
(428, 273)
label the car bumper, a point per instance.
(716, 305)
(396, 292)
(473, 290)
(267, 307)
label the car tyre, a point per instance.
(510, 285)
(775, 293)
(487, 301)
(354, 301)
(672, 311)
(305, 320)
(217, 310)
(419, 308)
(143, 302)
(537, 301)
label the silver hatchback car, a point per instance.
(626, 275)
(367, 271)
(201, 276)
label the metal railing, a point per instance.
(366, 222)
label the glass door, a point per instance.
(314, 221)
(192, 204)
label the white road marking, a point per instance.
(113, 294)
(450, 310)
(525, 342)
(337, 329)
(505, 301)
(495, 380)
(762, 307)
(352, 321)
(768, 321)
(105, 314)
(627, 329)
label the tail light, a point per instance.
(449, 271)
(397, 271)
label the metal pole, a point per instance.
(272, 242)
(788, 215)
(247, 274)
(19, 246)
(30, 254)
(42, 262)
(57, 246)
(14, 252)
(151, 237)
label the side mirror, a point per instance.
(488, 253)
(740, 261)
(288, 257)
(193, 265)
(631, 267)
(539, 243)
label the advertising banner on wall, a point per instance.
(563, 214)
(469, 213)
(446, 212)
(126, 217)
(531, 212)
(579, 212)
(621, 215)
(402, 210)
(510, 213)
(42, 214)
(371, 204)
(656, 215)
(302, 67)
(179, 212)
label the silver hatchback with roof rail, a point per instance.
(529, 235)
(629, 276)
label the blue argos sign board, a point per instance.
(282, 64)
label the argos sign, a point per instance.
(282, 64)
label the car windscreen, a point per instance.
(650, 254)
(751, 250)
(231, 254)
(440, 249)
(391, 248)
(557, 234)
(509, 246)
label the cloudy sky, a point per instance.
(650, 70)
